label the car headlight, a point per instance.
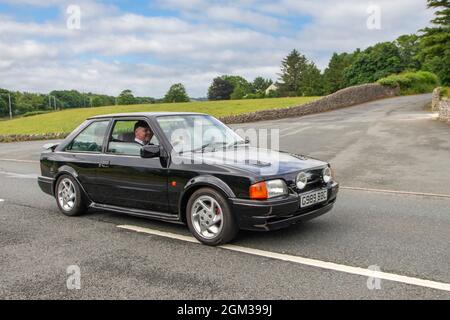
(327, 175)
(301, 180)
(268, 189)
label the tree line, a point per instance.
(27, 103)
(428, 50)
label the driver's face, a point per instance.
(143, 134)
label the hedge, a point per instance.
(412, 82)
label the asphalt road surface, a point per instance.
(392, 215)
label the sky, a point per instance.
(146, 46)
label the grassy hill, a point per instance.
(67, 120)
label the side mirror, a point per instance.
(150, 151)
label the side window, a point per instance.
(128, 136)
(91, 138)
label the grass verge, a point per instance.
(67, 120)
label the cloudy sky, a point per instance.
(148, 45)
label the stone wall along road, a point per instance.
(340, 99)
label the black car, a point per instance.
(194, 170)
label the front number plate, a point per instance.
(311, 198)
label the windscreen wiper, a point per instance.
(206, 145)
(237, 142)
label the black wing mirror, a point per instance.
(150, 151)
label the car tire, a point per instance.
(69, 196)
(205, 206)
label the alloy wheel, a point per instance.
(207, 217)
(66, 194)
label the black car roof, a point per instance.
(143, 114)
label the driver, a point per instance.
(142, 133)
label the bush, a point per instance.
(412, 82)
(273, 94)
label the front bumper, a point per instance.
(279, 213)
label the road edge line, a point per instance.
(425, 194)
(19, 160)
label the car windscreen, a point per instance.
(196, 132)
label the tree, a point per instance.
(374, 63)
(29, 102)
(223, 87)
(435, 42)
(333, 76)
(68, 98)
(292, 69)
(239, 92)
(260, 84)
(4, 106)
(312, 81)
(99, 100)
(299, 76)
(408, 45)
(145, 100)
(238, 81)
(176, 93)
(220, 89)
(126, 97)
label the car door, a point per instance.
(125, 179)
(83, 155)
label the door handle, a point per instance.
(104, 164)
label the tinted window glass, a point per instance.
(123, 131)
(125, 148)
(122, 140)
(91, 138)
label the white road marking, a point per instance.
(19, 160)
(296, 131)
(398, 192)
(20, 175)
(304, 261)
(2, 200)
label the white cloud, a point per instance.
(201, 40)
(26, 50)
(239, 15)
(341, 26)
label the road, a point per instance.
(391, 145)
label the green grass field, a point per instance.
(67, 120)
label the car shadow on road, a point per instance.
(303, 231)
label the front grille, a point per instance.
(314, 181)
